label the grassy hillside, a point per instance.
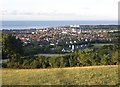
(93, 75)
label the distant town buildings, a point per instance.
(64, 35)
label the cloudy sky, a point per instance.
(59, 9)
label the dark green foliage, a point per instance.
(105, 55)
(11, 47)
(34, 64)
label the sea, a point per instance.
(45, 24)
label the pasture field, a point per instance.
(51, 55)
(92, 75)
(99, 45)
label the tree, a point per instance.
(11, 47)
(115, 57)
(104, 60)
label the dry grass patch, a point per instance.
(93, 75)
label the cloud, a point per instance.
(60, 9)
(15, 12)
(88, 14)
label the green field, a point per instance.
(100, 45)
(92, 75)
(51, 55)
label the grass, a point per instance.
(93, 75)
(51, 55)
(100, 45)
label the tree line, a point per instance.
(87, 57)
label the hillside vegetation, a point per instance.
(92, 75)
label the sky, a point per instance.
(59, 10)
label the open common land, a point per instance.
(92, 75)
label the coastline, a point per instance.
(45, 24)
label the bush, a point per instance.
(4, 65)
(86, 57)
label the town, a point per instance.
(63, 39)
